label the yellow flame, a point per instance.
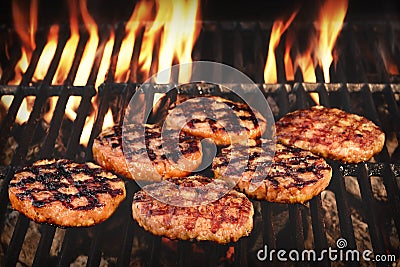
(20, 67)
(70, 46)
(89, 53)
(24, 110)
(305, 63)
(105, 61)
(278, 28)
(329, 25)
(288, 64)
(142, 12)
(47, 54)
(175, 25)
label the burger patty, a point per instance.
(223, 220)
(331, 133)
(240, 121)
(152, 161)
(66, 193)
(290, 175)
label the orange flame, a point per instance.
(22, 22)
(142, 12)
(47, 54)
(305, 62)
(278, 28)
(70, 46)
(288, 61)
(320, 49)
(388, 60)
(175, 25)
(329, 25)
(89, 53)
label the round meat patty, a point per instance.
(331, 133)
(291, 175)
(240, 121)
(157, 159)
(66, 193)
(224, 220)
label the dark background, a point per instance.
(112, 11)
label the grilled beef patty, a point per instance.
(291, 175)
(244, 124)
(66, 193)
(150, 162)
(223, 220)
(331, 133)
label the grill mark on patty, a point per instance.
(299, 162)
(222, 206)
(332, 133)
(51, 182)
(224, 116)
(187, 144)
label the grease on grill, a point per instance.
(54, 176)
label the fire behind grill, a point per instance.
(276, 225)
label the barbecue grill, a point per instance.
(359, 85)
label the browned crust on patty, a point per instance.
(66, 193)
(224, 220)
(151, 164)
(250, 125)
(293, 176)
(331, 133)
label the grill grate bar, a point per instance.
(268, 231)
(184, 248)
(15, 55)
(296, 228)
(55, 124)
(238, 48)
(44, 246)
(94, 255)
(125, 255)
(155, 248)
(367, 196)
(345, 221)
(258, 55)
(370, 111)
(7, 123)
(318, 226)
(135, 58)
(16, 242)
(62, 102)
(40, 101)
(68, 250)
(4, 200)
(82, 112)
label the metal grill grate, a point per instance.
(377, 102)
(285, 98)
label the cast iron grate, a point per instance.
(378, 102)
(285, 98)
